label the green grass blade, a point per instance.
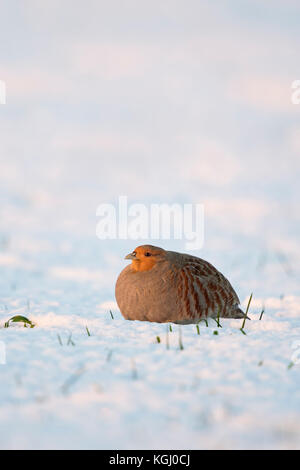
(262, 312)
(245, 318)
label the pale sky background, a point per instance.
(162, 101)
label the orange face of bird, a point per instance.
(145, 257)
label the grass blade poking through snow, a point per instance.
(112, 317)
(19, 319)
(245, 317)
(72, 380)
(109, 354)
(180, 339)
(88, 332)
(134, 373)
(70, 341)
(217, 320)
(262, 312)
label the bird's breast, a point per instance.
(149, 295)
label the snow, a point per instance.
(119, 388)
(162, 104)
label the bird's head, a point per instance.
(145, 257)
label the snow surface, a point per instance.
(162, 103)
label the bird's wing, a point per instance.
(204, 288)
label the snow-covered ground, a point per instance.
(119, 387)
(163, 104)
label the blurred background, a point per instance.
(162, 101)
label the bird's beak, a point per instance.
(130, 256)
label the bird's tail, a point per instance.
(238, 313)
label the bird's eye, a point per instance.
(147, 253)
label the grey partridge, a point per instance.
(165, 286)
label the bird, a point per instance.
(168, 287)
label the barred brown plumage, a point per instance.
(165, 286)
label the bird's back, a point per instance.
(205, 291)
